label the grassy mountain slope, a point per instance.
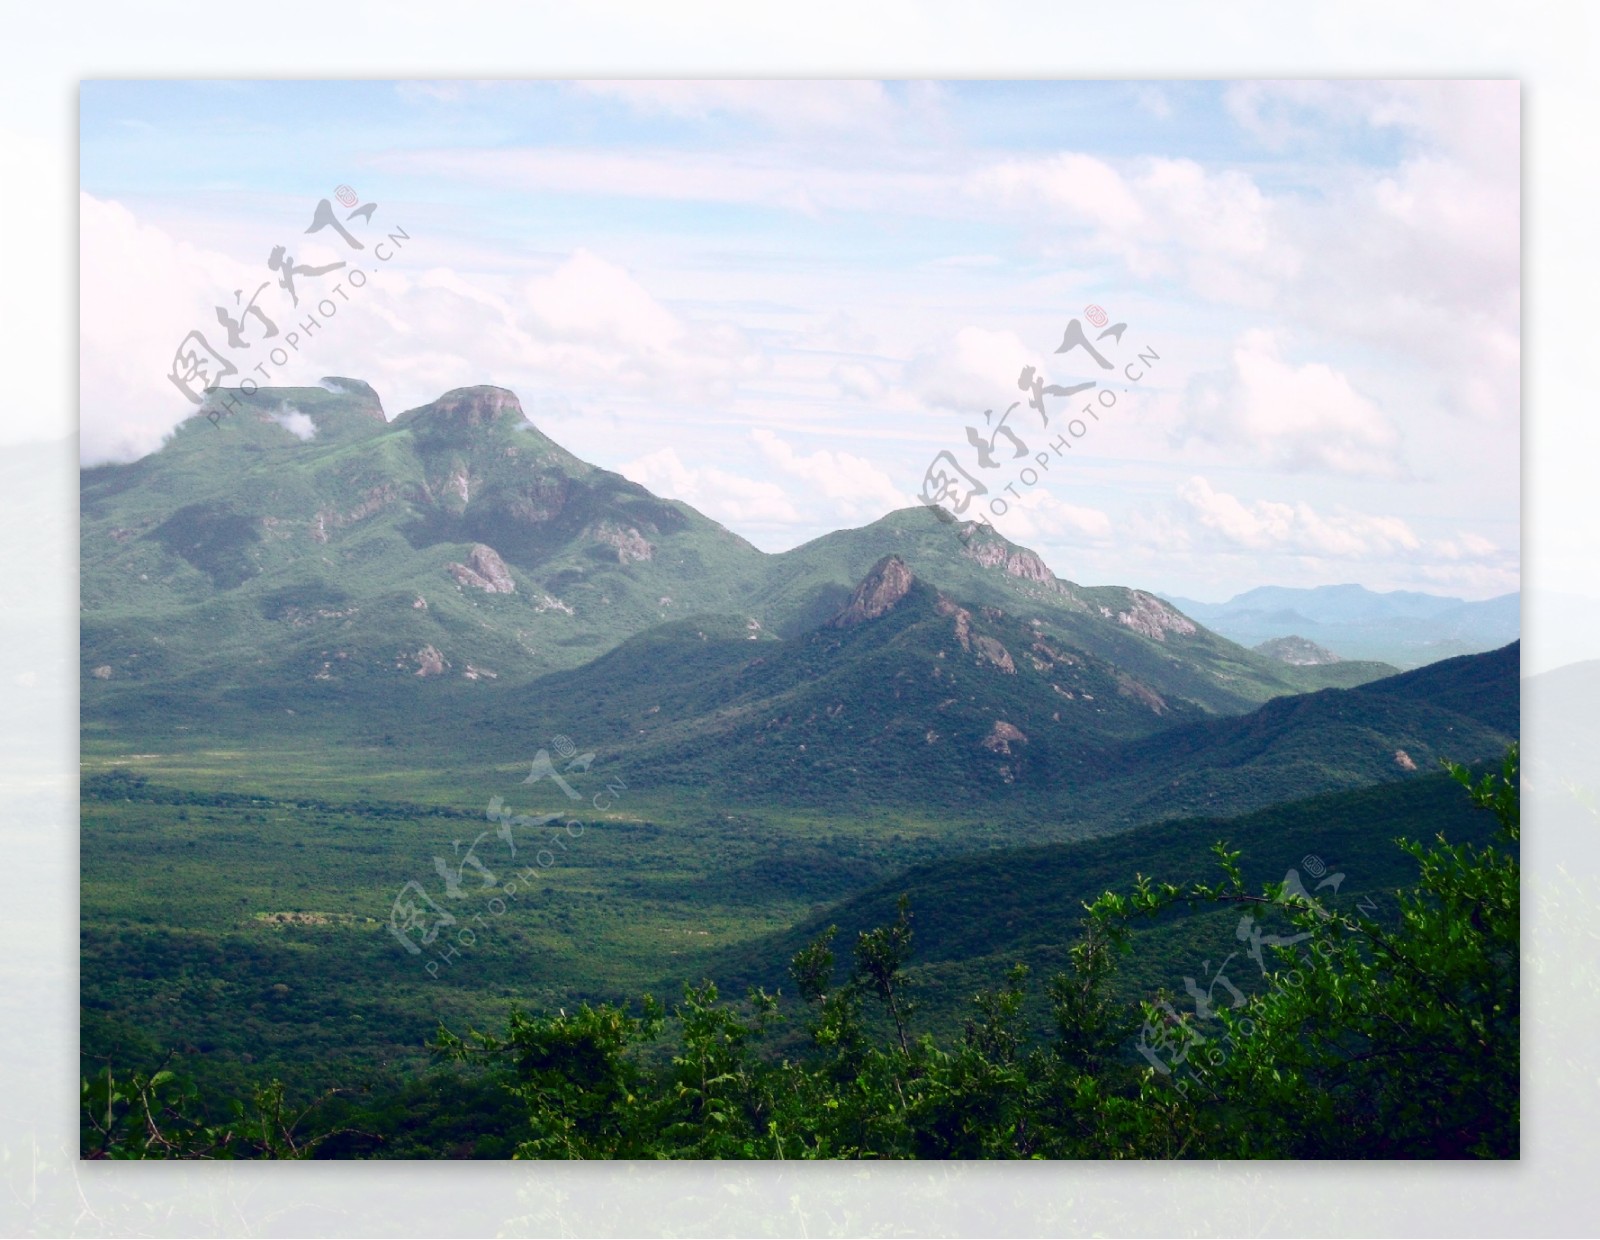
(309, 556)
(975, 915)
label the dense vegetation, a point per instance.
(1378, 1037)
(316, 673)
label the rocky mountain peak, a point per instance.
(471, 406)
(886, 583)
(366, 400)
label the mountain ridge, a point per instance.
(308, 552)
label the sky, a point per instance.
(785, 302)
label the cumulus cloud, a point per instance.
(973, 370)
(1039, 517)
(1267, 525)
(729, 497)
(1305, 417)
(587, 327)
(141, 292)
(295, 422)
(855, 487)
(1159, 216)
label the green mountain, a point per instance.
(907, 696)
(308, 555)
(975, 915)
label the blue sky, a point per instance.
(779, 301)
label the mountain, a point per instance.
(1401, 627)
(909, 696)
(309, 556)
(1296, 651)
(308, 544)
(973, 916)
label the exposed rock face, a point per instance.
(1403, 760)
(880, 590)
(1014, 561)
(430, 662)
(539, 499)
(1002, 736)
(1129, 687)
(963, 622)
(373, 500)
(1151, 617)
(1297, 651)
(485, 570)
(473, 406)
(368, 405)
(991, 651)
(630, 544)
(103, 672)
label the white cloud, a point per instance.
(856, 487)
(729, 497)
(1299, 418)
(974, 370)
(1267, 525)
(1159, 216)
(141, 293)
(858, 380)
(588, 327)
(1040, 518)
(296, 423)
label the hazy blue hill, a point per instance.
(1406, 628)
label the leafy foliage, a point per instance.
(1377, 1040)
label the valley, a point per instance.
(339, 691)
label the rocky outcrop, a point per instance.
(484, 570)
(880, 590)
(1002, 736)
(1129, 687)
(629, 543)
(469, 407)
(1013, 561)
(430, 662)
(366, 402)
(1149, 616)
(539, 499)
(1404, 761)
(991, 651)
(1296, 651)
(963, 620)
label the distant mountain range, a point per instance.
(1402, 627)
